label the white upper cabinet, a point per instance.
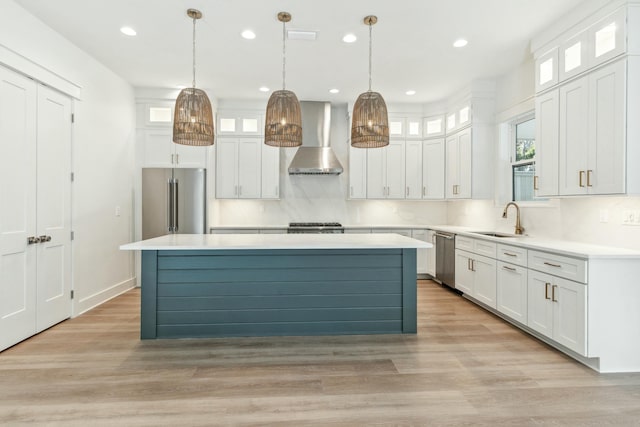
(433, 170)
(238, 168)
(358, 173)
(239, 123)
(592, 133)
(270, 172)
(545, 183)
(433, 127)
(458, 154)
(161, 151)
(607, 38)
(385, 171)
(413, 169)
(547, 70)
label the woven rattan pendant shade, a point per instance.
(370, 121)
(192, 116)
(283, 120)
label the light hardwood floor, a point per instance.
(464, 367)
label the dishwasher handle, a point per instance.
(445, 236)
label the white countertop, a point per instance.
(561, 247)
(276, 241)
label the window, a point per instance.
(523, 159)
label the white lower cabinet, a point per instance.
(557, 309)
(512, 291)
(423, 254)
(476, 276)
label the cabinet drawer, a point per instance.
(477, 246)
(512, 254)
(558, 265)
(465, 243)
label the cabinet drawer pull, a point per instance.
(535, 182)
(553, 293)
(546, 290)
(508, 268)
(552, 265)
(509, 254)
(580, 178)
(589, 172)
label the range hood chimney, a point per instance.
(315, 156)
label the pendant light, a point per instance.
(370, 121)
(283, 121)
(193, 118)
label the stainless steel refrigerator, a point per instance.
(173, 201)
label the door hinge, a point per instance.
(73, 235)
(73, 176)
(73, 118)
(72, 294)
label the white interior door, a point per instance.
(54, 208)
(18, 211)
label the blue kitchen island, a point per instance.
(277, 284)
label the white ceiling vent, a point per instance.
(302, 35)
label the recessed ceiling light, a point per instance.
(460, 43)
(128, 31)
(410, 92)
(264, 89)
(349, 38)
(248, 34)
(334, 90)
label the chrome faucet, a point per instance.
(519, 228)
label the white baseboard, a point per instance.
(92, 301)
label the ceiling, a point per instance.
(412, 43)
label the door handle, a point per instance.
(175, 205)
(546, 290)
(580, 178)
(44, 239)
(589, 172)
(535, 182)
(407, 191)
(553, 293)
(170, 197)
(33, 240)
(424, 191)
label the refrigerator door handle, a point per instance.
(170, 204)
(175, 205)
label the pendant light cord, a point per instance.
(370, 50)
(194, 53)
(284, 53)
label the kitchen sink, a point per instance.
(496, 234)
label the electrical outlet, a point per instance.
(604, 215)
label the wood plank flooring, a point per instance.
(465, 367)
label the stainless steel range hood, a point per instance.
(315, 156)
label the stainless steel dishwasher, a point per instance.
(446, 258)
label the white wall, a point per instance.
(323, 198)
(103, 155)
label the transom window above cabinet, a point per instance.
(433, 126)
(233, 123)
(578, 51)
(154, 115)
(459, 118)
(405, 127)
